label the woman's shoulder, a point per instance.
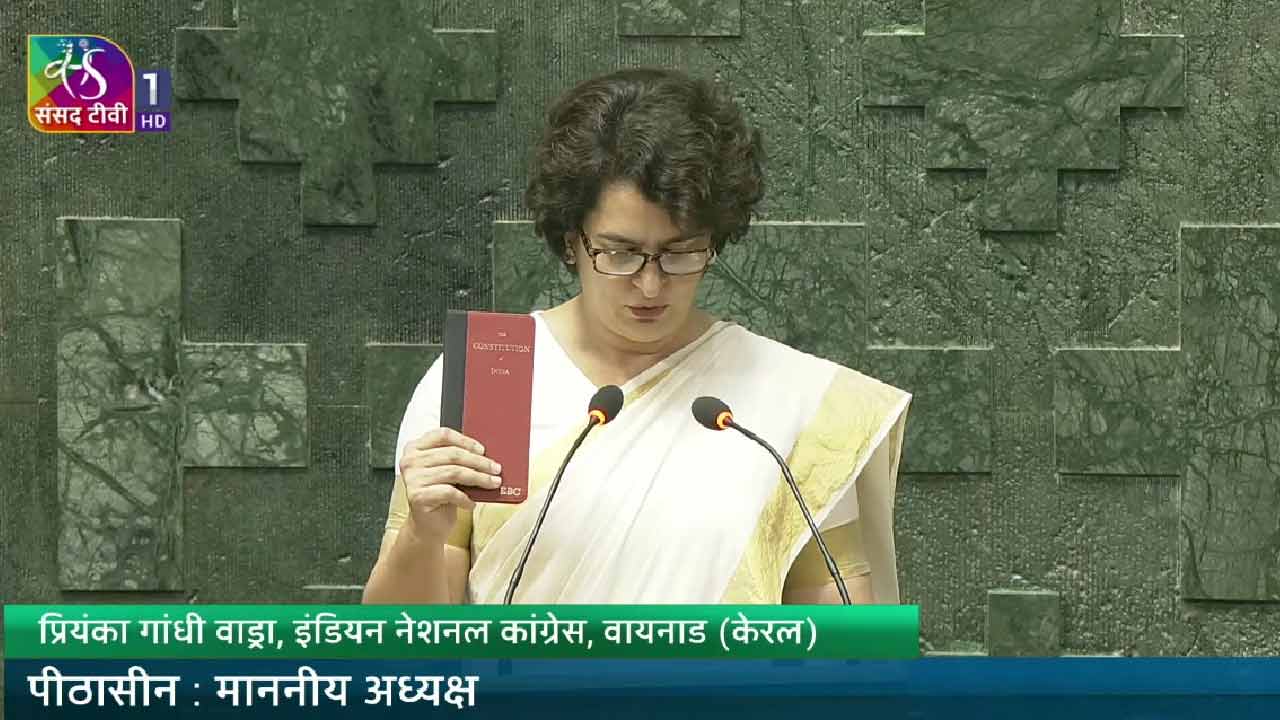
(766, 355)
(762, 351)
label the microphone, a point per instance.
(713, 414)
(604, 407)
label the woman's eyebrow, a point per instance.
(626, 240)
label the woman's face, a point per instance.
(650, 308)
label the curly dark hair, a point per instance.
(683, 144)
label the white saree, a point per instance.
(654, 508)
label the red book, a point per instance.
(487, 393)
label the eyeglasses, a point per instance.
(630, 262)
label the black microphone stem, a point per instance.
(817, 536)
(546, 504)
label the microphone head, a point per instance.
(605, 404)
(712, 413)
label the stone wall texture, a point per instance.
(1058, 224)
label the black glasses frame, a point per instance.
(655, 257)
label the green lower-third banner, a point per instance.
(461, 631)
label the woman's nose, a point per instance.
(649, 279)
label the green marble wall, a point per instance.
(1058, 224)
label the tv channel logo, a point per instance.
(88, 84)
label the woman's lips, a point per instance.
(647, 312)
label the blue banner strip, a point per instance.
(949, 688)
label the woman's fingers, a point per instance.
(428, 453)
(444, 437)
(453, 475)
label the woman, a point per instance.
(641, 178)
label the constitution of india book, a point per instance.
(487, 393)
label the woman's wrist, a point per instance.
(416, 539)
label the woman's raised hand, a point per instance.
(432, 467)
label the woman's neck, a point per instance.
(608, 358)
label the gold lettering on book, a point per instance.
(501, 347)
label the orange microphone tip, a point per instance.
(598, 416)
(723, 419)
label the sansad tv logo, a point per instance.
(88, 84)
